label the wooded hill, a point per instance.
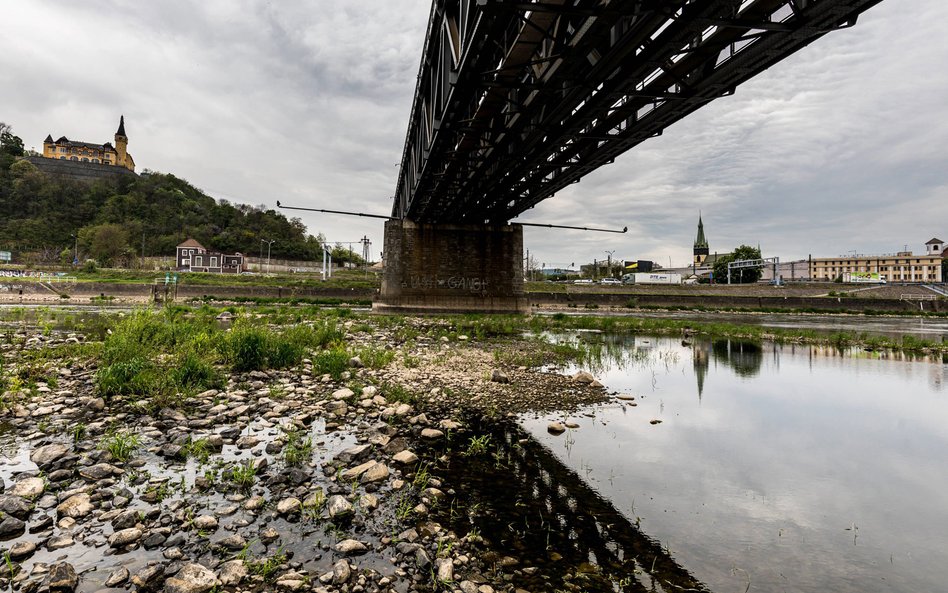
(42, 214)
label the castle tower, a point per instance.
(701, 245)
(121, 145)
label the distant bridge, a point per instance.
(516, 100)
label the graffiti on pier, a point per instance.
(460, 283)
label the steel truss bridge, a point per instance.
(516, 100)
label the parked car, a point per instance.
(583, 281)
(612, 281)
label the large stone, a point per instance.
(76, 506)
(316, 499)
(62, 578)
(376, 473)
(353, 453)
(116, 577)
(125, 537)
(339, 507)
(431, 434)
(22, 550)
(232, 573)
(48, 455)
(368, 502)
(15, 506)
(149, 577)
(125, 520)
(341, 572)
(99, 471)
(445, 570)
(556, 428)
(405, 457)
(205, 523)
(59, 542)
(11, 527)
(583, 377)
(339, 408)
(233, 542)
(28, 488)
(192, 578)
(289, 506)
(344, 393)
(354, 472)
(247, 442)
(350, 546)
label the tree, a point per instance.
(9, 143)
(106, 242)
(743, 275)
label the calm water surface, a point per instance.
(774, 468)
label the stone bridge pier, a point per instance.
(450, 268)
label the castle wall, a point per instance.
(77, 170)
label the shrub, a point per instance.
(137, 376)
(332, 362)
(195, 373)
(244, 347)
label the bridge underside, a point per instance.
(516, 100)
(445, 268)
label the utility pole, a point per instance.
(365, 252)
(269, 245)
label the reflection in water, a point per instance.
(558, 521)
(744, 356)
(741, 355)
(797, 467)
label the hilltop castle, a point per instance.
(65, 149)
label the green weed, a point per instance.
(297, 449)
(121, 445)
(242, 475)
(477, 445)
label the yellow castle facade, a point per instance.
(89, 152)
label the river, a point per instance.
(930, 328)
(773, 467)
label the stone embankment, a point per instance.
(280, 481)
(13, 290)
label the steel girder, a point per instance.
(516, 100)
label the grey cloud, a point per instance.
(840, 147)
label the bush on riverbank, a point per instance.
(164, 354)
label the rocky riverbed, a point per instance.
(281, 480)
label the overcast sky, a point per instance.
(843, 147)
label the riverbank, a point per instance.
(318, 476)
(354, 289)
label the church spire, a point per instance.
(121, 128)
(701, 242)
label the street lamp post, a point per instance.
(269, 244)
(75, 260)
(609, 262)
